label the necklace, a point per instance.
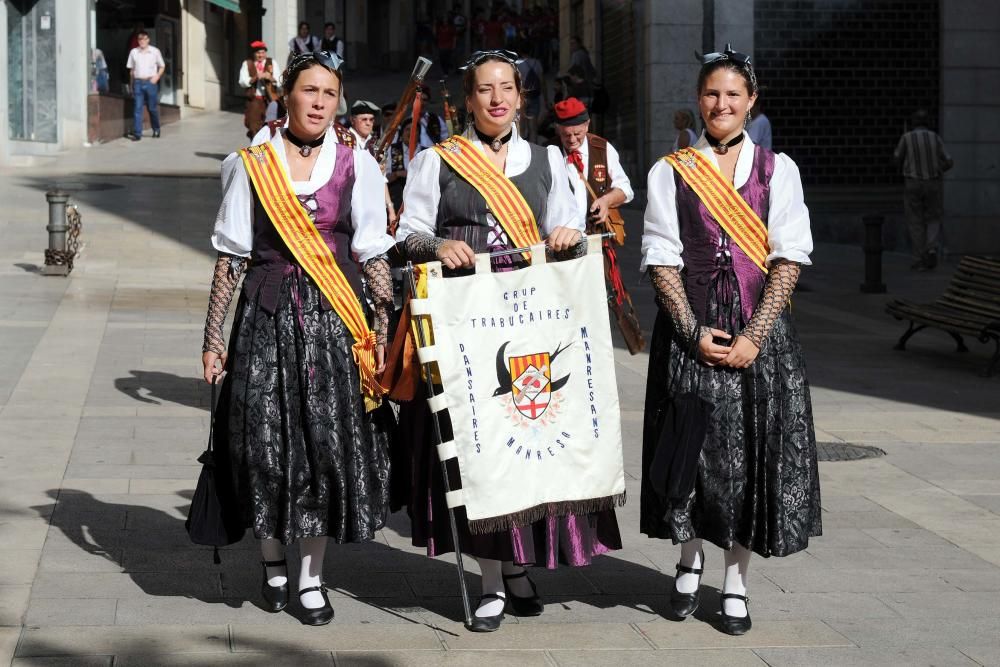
(305, 147)
(722, 148)
(496, 143)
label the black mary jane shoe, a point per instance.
(275, 597)
(685, 604)
(518, 606)
(734, 625)
(487, 623)
(320, 615)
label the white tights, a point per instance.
(311, 550)
(737, 562)
(492, 582)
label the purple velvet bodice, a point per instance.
(330, 209)
(709, 252)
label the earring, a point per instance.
(517, 116)
(469, 120)
(748, 119)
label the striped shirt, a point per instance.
(922, 154)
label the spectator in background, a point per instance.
(99, 70)
(579, 57)
(446, 37)
(145, 65)
(425, 37)
(461, 24)
(493, 33)
(759, 128)
(684, 124)
(303, 42)
(261, 82)
(923, 158)
(432, 127)
(536, 97)
(330, 41)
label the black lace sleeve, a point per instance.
(421, 248)
(228, 269)
(781, 281)
(672, 298)
(379, 278)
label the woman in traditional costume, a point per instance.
(446, 218)
(309, 451)
(723, 275)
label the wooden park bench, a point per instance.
(969, 307)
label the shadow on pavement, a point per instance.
(186, 391)
(152, 547)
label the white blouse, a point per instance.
(234, 223)
(788, 231)
(422, 193)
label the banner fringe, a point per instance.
(532, 514)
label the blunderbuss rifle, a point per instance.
(420, 70)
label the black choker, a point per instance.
(495, 144)
(720, 147)
(305, 147)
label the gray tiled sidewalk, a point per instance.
(102, 417)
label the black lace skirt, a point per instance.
(306, 458)
(757, 483)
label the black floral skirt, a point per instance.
(306, 458)
(757, 482)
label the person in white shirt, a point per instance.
(446, 218)
(759, 129)
(292, 375)
(592, 160)
(303, 42)
(257, 75)
(146, 66)
(363, 115)
(330, 41)
(726, 234)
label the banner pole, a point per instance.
(429, 383)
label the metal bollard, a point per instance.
(55, 264)
(873, 254)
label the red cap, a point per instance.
(571, 111)
(258, 45)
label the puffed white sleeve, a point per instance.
(368, 214)
(245, 81)
(788, 231)
(619, 179)
(421, 195)
(560, 210)
(661, 235)
(233, 232)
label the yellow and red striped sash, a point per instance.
(725, 204)
(315, 257)
(504, 199)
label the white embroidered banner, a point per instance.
(528, 372)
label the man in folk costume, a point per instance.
(600, 186)
(363, 115)
(592, 160)
(304, 43)
(257, 75)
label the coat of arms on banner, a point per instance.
(528, 381)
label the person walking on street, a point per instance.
(759, 129)
(729, 446)
(145, 65)
(923, 158)
(300, 418)
(257, 75)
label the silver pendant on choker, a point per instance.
(496, 145)
(721, 149)
(305, 151)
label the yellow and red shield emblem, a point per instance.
(531, 383)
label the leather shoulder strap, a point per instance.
(597, 173)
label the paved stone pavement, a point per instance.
(102, 416)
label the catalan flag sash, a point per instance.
(504, 199)
(297, 230)
(725, 204)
